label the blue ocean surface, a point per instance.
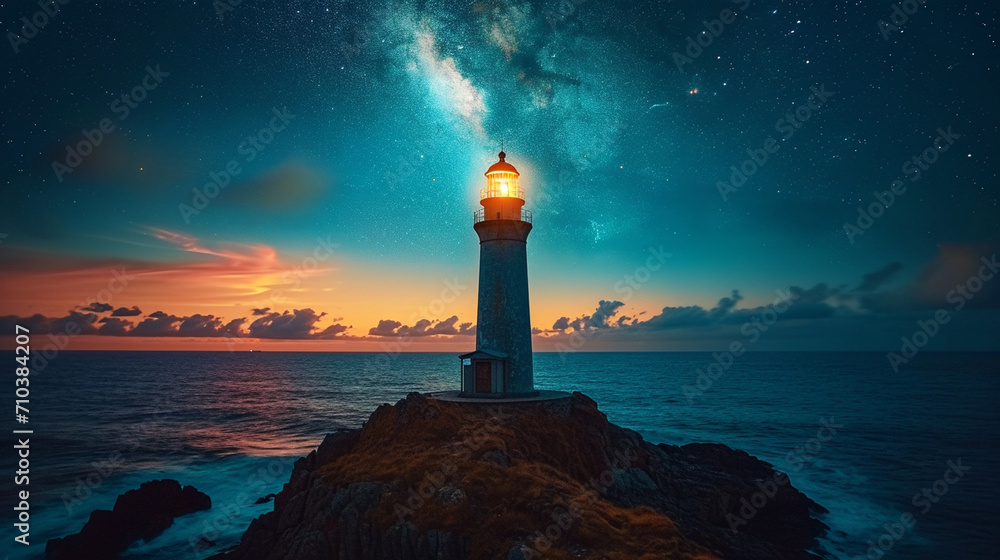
(232, 424)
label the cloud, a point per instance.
(99, 307)
(158, 324)
(236, 254)
(874, 280)
(423, 327)
(605, 310)
(75, 322)
(112, 326)
(939, 281)
(263, 311)
(299, 324)
(385, 327)
(126, 312)
(602, 318)
(179, 265)
(867, 317)
(292, 186)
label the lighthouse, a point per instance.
(501, 366)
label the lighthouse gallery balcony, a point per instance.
(520, 215)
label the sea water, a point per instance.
(856, 437)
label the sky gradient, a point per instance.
(302, 175)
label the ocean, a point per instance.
(232, 424)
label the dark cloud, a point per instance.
(875, 279)
(232, 328)
(385, 327)
(158, 324)
(126, 312)
(332, 331)
(958, 278)
(423, 327)
(199, 325)
(263, 311)
(36, 323)
(296, 325)
(725, 305)
(299, 324)
(83, 321)
(111, 326)
(99, 307)
(75, 323)
(941, 282)
(603, 317)
(605, 311)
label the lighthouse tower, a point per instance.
(501, 365)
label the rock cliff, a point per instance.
(428, 479)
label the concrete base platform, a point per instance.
(542, 396)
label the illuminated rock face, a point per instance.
(426, 479)
(501, 366)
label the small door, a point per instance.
(484, 377)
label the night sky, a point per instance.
(349, 141)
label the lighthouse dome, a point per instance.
(502, 165)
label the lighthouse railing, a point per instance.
(480, 216)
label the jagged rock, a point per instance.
(265, 499)
(141, 514)
(450, 495)
(497, 456)
(426, 479)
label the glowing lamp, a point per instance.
(502, 197)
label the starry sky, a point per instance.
(302, 175)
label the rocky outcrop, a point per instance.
(426, 479)
(140, 514)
